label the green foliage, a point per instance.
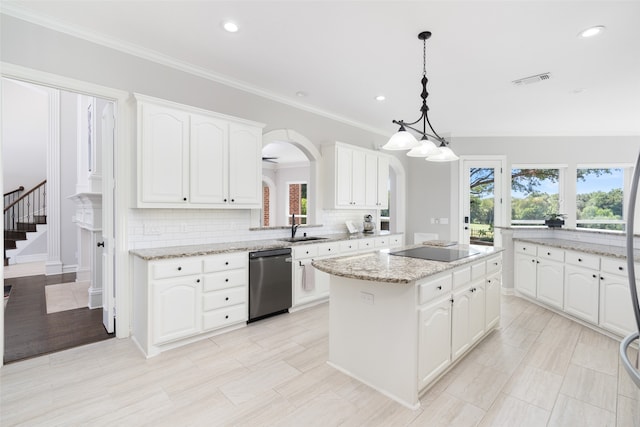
(600, 205)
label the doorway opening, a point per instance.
(54, 268)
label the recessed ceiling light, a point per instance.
(301, 94)
(231, 27)
(380, 98)
(579, 90)
(592, 31)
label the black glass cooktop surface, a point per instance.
(436, 254)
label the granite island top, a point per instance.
(243, 246)
(380, 266)
(586, 247)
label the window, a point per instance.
(384, 213)
(297, 202)
(535, 193)
(600, 198)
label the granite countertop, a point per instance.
(590, 248)
(244, 246)
(380, 266)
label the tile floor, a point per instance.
(66, 296)
(538, 369)
(24, 269)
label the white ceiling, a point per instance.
(343, 54)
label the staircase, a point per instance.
(23, 213)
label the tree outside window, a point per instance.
(600, 198)
(535, 193)
(297, 203)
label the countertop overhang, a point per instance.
(380, 266)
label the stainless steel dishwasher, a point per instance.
(269, 283)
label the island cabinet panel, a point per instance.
(181, 300)
(435, 340)
(399, 338)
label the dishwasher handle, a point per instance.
(270, 253)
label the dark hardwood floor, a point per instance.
(30, 331)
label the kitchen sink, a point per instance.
(302, 239)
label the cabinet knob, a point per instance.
(179, 268)
(620, 268)
(224, 200)
(100, 244)
(233, 200)
(548, 253)
(594, 276)
(537, 262)
(198, 281)
(488, 280)
(579, 259)
(184, 198)
(226, 299)
(601, 278)
(226, 280)
(329, 249)
(226, 263)
(439, 288)
(226, 317)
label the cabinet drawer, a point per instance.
(478, 270)
(348, 246)
(224, 298)
(435, 288)
(582, 260)
(494, 264)
(224, 279)
(226, 261)
(224, 316)
(395, 241)
(175, 268)
(307, 251)
(551, 253)
(381, 242)
(325, 249)
(462, 276)
(614, 266)
(364, 244)
(526, 248)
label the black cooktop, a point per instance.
(436, 254)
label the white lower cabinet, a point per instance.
(616, 312)
(455, 311)
(435, 340)
(549, 280)
(525, 274)
(178, 300)
(581, 293)
(176, 308)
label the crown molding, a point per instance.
(19, 12)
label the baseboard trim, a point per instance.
(70, 268)
(23, 259)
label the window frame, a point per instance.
(562, 174)
(288, 213)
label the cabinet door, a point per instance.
(525, 276)
(176, 308)
(371, 180)
(383, 183)
(616, 312)
(209, 167)
(245, 165)
(581, 293)
(493, 288)
(434, 351)
(476, 311)
(164, 155)
(550, 281)
(358, 178)
(304, 292)
(460, 334)
(344, 166)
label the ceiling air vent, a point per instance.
(532, 79)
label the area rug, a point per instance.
(7, 291)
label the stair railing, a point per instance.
(12, 196)
(27, 207)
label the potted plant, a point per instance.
(554, 220)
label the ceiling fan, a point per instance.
(270, 159)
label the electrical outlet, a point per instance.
(367, 297)
(152, 230)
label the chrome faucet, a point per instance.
(294, 226)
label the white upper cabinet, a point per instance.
(163, 155)
(194, 158)
(355, 177)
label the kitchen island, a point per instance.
(398, 324)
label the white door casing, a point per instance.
(108, 229)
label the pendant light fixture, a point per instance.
(426, 147)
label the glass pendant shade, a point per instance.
(402, 140)
(426, 148)
(445, 154)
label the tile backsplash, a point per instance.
(154, 228)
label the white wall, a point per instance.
(68, 159)
(25, 115)
(433, 188)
